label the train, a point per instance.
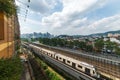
(76, 64)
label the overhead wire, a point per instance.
(26, 9)
(21, 2)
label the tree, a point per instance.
(82, 45)
(24, 39)
(110, 45)
(99, 44)
(89, 48)
(76, 43)
(8, 7)
(117, 50)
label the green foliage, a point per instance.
(8, 7)
(42, 64)
(24, 39)
(10, 69)
(65, 43)
(110, 45)
(53, 41)
(89, 48)
(32, 39)
(16, 37)
(117, 50)
(82, 45)
(50, 73)
(99, 44)
(76, 43)
(113, 46)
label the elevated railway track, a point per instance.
(106, 67)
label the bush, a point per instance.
(8, 7)
(10, 69)
(52, 75)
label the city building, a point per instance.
(113, 35)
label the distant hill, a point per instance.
(105, 34)
(91, 35)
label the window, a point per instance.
(68, 61)
(1, 30)
(93, 72)
(60, 58)
(79, 66)
(51, 55)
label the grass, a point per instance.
(52, 75)
(10, 69)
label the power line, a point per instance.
(21, 2)
(26, 12)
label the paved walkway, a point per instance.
(25, 73)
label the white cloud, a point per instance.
(103, 25)
(71, 15)
(71, 10)
(38, 6)
(71, 19)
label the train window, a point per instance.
(93, 72)
(57, 57)
(79, 66)
(51, 55)
(68, 61)
(60, 58)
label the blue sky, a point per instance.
(72, 17)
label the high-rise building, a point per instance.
(9, 35)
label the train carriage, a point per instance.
(76, 64)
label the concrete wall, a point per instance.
(7, 35)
